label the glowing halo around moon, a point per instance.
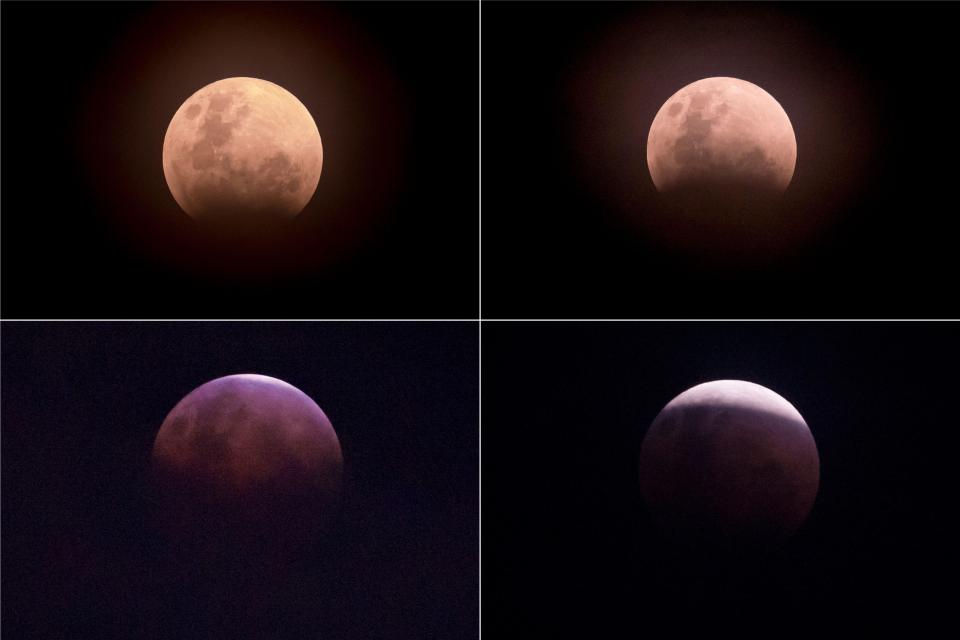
(242, 150)
(721, 132)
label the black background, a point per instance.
(569, 550)
(90, 230)
(861, 84)
(82, 403)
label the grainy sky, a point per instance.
(82, 403)
(569, 550)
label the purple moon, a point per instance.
(246, 460)
(729, 463)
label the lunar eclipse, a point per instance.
(690, 479)
(242, 150)
(721, 153)
(729, 464)
(250, 457)
(155, 487)
(703, 153)
(725, 140)
(297, 158)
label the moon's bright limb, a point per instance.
(242, 149)
(721, 131)
(729, 462)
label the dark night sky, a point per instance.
(91, 231)
(81, 404)
(570, 89)
(569, 550)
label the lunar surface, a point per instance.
(246, 459)
(244, 151)
(729, 464)
(721, 139)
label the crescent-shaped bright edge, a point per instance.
(256, 425)
(742, 395)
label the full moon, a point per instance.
(242, 150)
(246, 459)
(721, 139)
(729, 463)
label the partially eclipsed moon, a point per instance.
(242, 149)
(721, 133)
(247, 458)
(729, 463)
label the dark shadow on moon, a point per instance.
(248, 205)
(721, 207)
(724, 219)
(245, 469)
(728, 480)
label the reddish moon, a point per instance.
(242, 150)
(721, 142)
(247, 459)
(729, 463)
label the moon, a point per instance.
(719, 140)
(729, 463)
(246, 459)
(242, 151)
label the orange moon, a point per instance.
(721, 132)
(242, 149)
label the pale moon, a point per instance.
(729, 463)
(244, 150)
(721, 133)
(250, 458)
